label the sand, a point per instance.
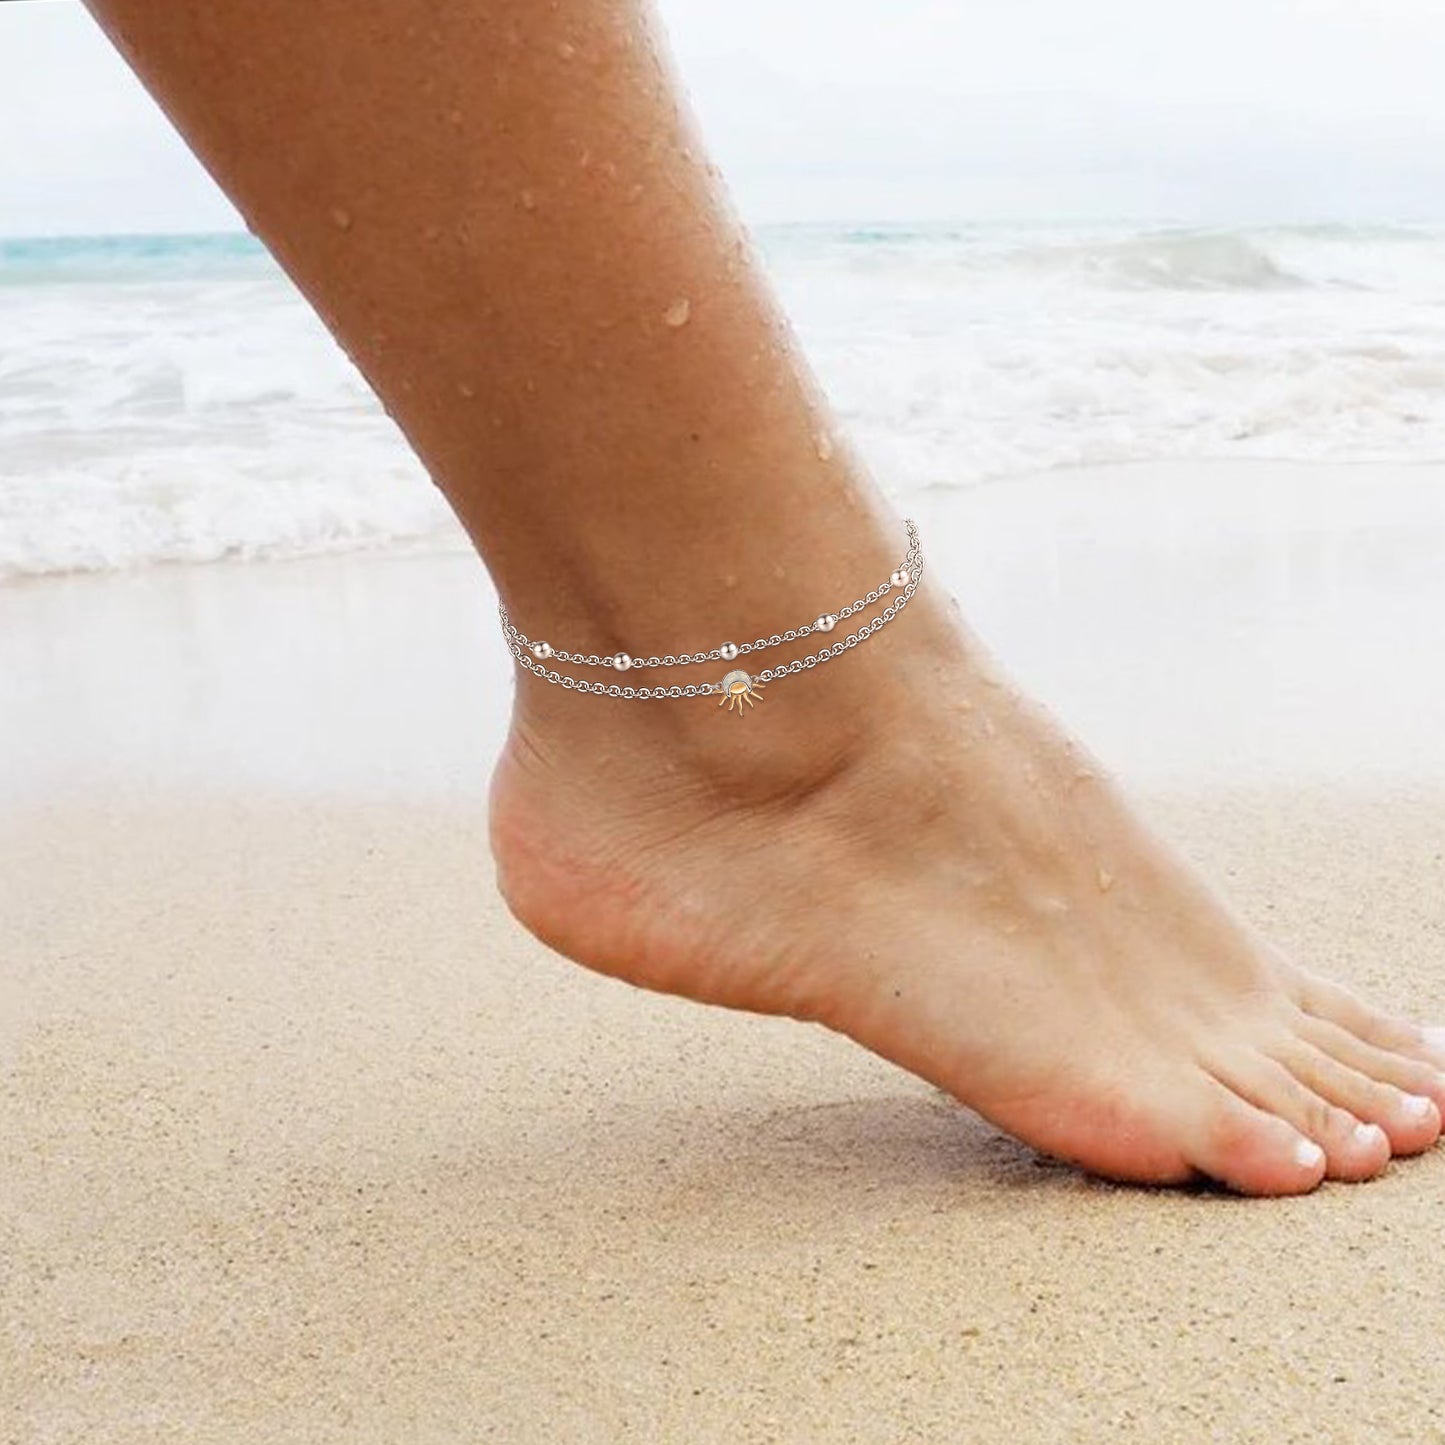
(303, 1139)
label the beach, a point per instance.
(305, 1140)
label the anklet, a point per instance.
(737, 687)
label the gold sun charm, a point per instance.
(738, 688)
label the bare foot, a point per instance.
(951, 882)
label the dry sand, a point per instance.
(303, 1140)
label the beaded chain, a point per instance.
(737, 687)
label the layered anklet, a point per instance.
(736, 687)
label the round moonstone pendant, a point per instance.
(738, 688)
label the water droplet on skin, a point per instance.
(341, 218)
(566, 50)
(585, 159)
(432, 233)
(455, 117)
(825, 447)
(529, 200)
(466, 389)
(1106, 880)
(679, 313)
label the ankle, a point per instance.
(805, 732)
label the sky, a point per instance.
(1202, 113)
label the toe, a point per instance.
(1337, 1005)
(1410, 1120)
(1250, 1149)
(1408, 1075)
(1355, 1147)
(1435, 1043)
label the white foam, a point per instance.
(187, 422)
(145, 419)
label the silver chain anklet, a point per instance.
(737, 687)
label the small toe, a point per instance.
(1337, 1005)
(1250, 1150)
(1411, 1121)
(1408, 1075)
(1355, 1148)
(1435, 1042)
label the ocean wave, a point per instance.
(199, 509)
(1183, 261)
(183, 404)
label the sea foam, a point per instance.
(169, 399)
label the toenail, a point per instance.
(1370, 1136)
(1308, 1155)
(1416, 1105)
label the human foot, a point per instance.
(944, 877)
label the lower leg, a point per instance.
(500, 210)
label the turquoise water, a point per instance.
(130, 258)
(31, 260)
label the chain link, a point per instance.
(520, 645)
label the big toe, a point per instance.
(1252, 1149)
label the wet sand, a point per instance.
(304, 1140)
